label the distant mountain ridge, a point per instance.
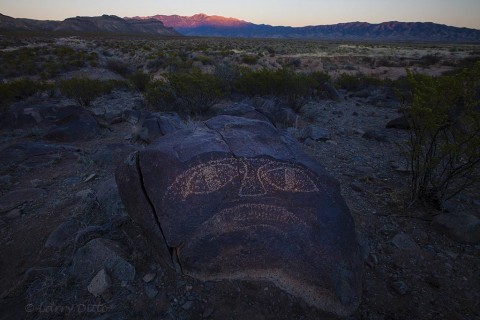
(216, 26)
(101, 24)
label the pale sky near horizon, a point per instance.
(461, 13)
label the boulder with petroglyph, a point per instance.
(237, 199)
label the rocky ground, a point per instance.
(61, 217)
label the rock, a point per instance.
(77, 125)
(151, 291)
(157, 125)
(35, 154)
(331, 92)
(62, 234)
(100, 254)
(14, 214)
(71, 181)
(400, 287)
(238, 109)
(399, 123)
(100, 283)
(149, 277)
(113, 104)
(187, 305)
(463, 228)
(236, 198)
(374, 135)
(109, 199)
(88, 233)
(109, 155)
(6, 180)
(16, 198)
(208, 311)
(405, 242)
(316, 133)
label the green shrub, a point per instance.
(18, 89)
(357, 82)
(291, 86)
(249, 59)
(84, 90)
(140, 80)
(443, 151)
(193, 92)
(118, 66)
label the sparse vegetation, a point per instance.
(444, 146)
(84, 90)
(188, 93)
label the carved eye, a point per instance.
(287, 178)
(210, 178)
(204, 179)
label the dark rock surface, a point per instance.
(237, 199)
(100, 254)
(464, 228)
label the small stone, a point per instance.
(36, 183)
(310, 143)
(208, 311)
(90, 177)
(149, 277)
(400, 287)
(316, 133)
(405, 242)
(151, 291)
(374, 135)
(355, 114)
(187, 305)
(62, 234)
(84, 193)
(359, 132)
(100, 283)
(209, 285)
(71, 181)
(14, 214)
(333, 143)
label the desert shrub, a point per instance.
(249, 59)
(84, 90)
(291, 86)
(443, 151)
(118, 66)
(140, 80)
(192, 92)
(18, 89)
(226, 74)
(356, 82)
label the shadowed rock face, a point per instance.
(237, 199)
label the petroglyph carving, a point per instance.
(257, 177)
(204, 178)
(245, 216)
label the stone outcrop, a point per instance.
(236, 198)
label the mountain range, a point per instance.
(101, 24)
(217, 26)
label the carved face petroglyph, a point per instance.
(241, 193)
(257, 176)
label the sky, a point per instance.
(461, 13)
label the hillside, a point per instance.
(104, 24)
(216, 26)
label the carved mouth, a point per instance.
(247, 216)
